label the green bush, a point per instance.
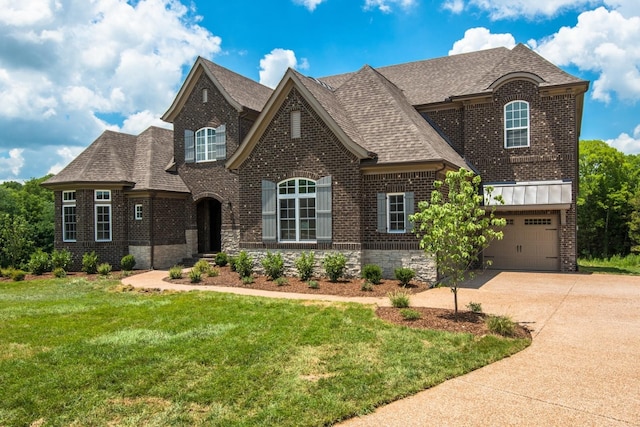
(195, 275)
(232, 263)
(18, 275)
(304, 264)
(127, 262)
(175, 272)
(59, 272)
(247, 280)
(282, 281)
(399, 299)
(313, 284)
(273, 265)
(104, 269)
(404, 275)
(221, 259)
(39, 263)
(366, 286)
(409, 314)
(334, 265)
(475, 307)
(213, 272)
(244, 264)
(61, 259)
(501, 325)
(372, 273)
(90, 262)
(202, 266)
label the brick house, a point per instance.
(335, 164)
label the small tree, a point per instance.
(456, 229)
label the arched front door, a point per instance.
(209, 226)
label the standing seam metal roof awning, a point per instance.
(530, 195)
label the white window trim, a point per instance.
(99, 205)
(404, 210)
(138, 212)
(104, 193)
(64, 222)
(528, 127)
(296, 196)
(222, 129)
(64, 193)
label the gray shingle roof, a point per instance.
(118, 158)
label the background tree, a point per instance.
(454, 230)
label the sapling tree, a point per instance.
(456, 229)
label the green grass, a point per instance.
(614, 265)
(76, 353)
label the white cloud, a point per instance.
(67, 65)
(386, 6)
(626, 143)
(481, 38)
(604, 42)
(627, 8)
(138, 122)
(65, 156)
(275, 64)
(13, 163)
(309, 4)
(506, 9)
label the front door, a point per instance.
(209, 226)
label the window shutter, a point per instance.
(409, 209)
(189, 146)
(323, 210)
(382, 213)
(221, 142)
(269, 217)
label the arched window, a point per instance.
(211, 144)
(516, 124)
(297, 210)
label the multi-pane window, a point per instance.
(103, 223)
(103, 195)
(396, 213)
(138, 212)
(211, 144)
(297, 210)
(69, 221)
(516, 124)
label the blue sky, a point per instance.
(69, 69)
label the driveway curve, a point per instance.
(582, 369)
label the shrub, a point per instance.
(175, 272)
(232, 263)
(366, 286)
(202, 266)
(404, 275)
(128, 262)
(5, 272)
(334, 265)
(90, 263)
(247, 280)
(59, 272)
(39, 262)
(195, 275)
(399, 299)
(304, 264)
(221, 259)
(61, 259)
(213, 272)
(409, 314)
(273, 265)
(18, 275)
(501, 325)
(104, 269)
(372, 273)
(282, 281)
(244, 264)
(313, 284)
(475, 307)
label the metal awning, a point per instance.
(534, 195)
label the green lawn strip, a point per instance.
(613, 265)
(75, 353)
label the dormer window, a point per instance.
(206, 145)
(516, 124)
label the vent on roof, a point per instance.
(321, 83)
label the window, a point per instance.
(295, 124)
(537, 221)
(205, 96)
(297, 210)
(103, 195)
(69, 221)
(394, 210)
(516, 124)
(103, 223)
(210, 144)
(138, 212)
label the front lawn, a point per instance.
(613, 265)
(74, 352)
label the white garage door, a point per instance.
(530, 243)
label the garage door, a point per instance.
(530, 243)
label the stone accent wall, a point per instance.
(166, 256)
(231, 241)
(142, 254)
(354, 261)
(424, 267)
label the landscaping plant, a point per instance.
(304, 264)
(399, 299)
(405, 275)
(334, 265)
(90, 262)
(273, 265)
(243, 264)
(127, 262)
(61, 259)
(372, 273)
(221, 259)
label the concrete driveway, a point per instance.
(582, 369)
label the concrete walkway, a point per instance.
(582, 369)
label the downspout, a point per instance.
(151, 229)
